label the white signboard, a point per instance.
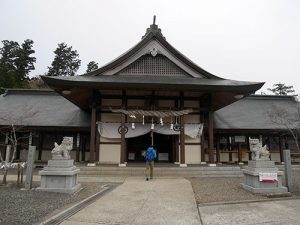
(268, 177)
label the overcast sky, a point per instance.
(250, 40)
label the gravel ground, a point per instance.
(27, 207)
(228, 189)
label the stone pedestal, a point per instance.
(254, 185)
(60, 175)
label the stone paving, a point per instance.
(140, 202)
(283, 212)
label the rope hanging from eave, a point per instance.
(153, 112)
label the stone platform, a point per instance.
(257, 168)
(60, 175)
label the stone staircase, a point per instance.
(163, 171)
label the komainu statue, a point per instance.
(62, 151)
(259, 152)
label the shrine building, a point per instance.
(150, 95)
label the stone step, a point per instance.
(163, 172)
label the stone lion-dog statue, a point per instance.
(62, 151)
(259, 152)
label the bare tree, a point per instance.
(14, 123)
(287, 119)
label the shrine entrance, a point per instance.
(163, 144)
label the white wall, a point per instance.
(110, 153)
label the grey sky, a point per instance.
(251, 40)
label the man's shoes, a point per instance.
(147, 179)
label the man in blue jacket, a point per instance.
(150, 156)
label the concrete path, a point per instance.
(283, 212)
(140, 202)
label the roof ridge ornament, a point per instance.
(153, 29)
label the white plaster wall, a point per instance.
(110, 153)
(192, 119)
(192, 154)
(111, 117)
(188, 139)
(224, 157)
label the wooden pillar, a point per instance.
(173, 149)
(202, 148)
(177, 148)
(98, 117)
(177, 136)
(77, 146)
(92, 137)
(182, 135)
(122, 155)
(218, 148)
(239, 153)
(182, 141)
(248, 148)
(280, 149)
(40, 145)
(269, 145)
(123, 141)
(211, 136)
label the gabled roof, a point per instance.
(40, 108)
(253, 112)
(152, 34)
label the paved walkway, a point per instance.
(283, 212)
(140, 202)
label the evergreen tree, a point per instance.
(66, 61)
(15, 63)
(91, 66)
(7, 63)
(281, 89)
(24, 61)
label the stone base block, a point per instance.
(275, 190)
(61, 190)
(60, 175)
(182, 165)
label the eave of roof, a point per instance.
(152, 82)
